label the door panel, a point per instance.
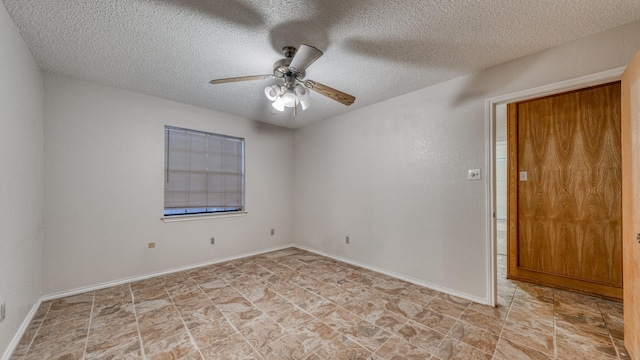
(631, 204)
(565, 224)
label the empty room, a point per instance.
(200, 179)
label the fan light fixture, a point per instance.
(293, 88)
(286, 96)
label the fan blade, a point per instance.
(330, 92)
(304, 57)
(241, 78)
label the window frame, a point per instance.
(168, 217)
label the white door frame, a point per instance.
(490, 149)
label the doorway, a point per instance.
(493, 107)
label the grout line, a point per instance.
(37, 330)
(505, 320)
(193, 341)
(458, 319)
(381, 345)
(510, 306)
(608, 331)
(225, 316)
(320, 296)
(536, 331)
(86, 341)
(366, 320)
(135, 313)
(555, 327)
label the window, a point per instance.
(204, 172)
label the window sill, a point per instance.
(178, 218)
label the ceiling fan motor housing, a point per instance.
(281, 68)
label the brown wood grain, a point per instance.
(631, 204)
(330, 92)
(566, 218)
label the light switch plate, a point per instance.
(474, 174)
(524, 176)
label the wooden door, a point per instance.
(631, 204)
(565, 182)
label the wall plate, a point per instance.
(474, 174)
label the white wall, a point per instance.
(104, 186)
(393, 176)
(21, 132)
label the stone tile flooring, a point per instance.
(292, 304)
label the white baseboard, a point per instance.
(195, 266)
(399, 276)
(107, 284)
(18, 336)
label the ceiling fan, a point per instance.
(292, 89)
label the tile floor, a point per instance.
(292, 304)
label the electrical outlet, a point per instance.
(3, 310)
(152, 245)
(273, 232)
(347, 240)
(212, 240)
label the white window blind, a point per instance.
(204, 172)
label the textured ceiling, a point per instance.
(373, 49)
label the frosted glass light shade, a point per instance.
(278, 104)
(289, 99)
(272, 92)
(302, 93)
